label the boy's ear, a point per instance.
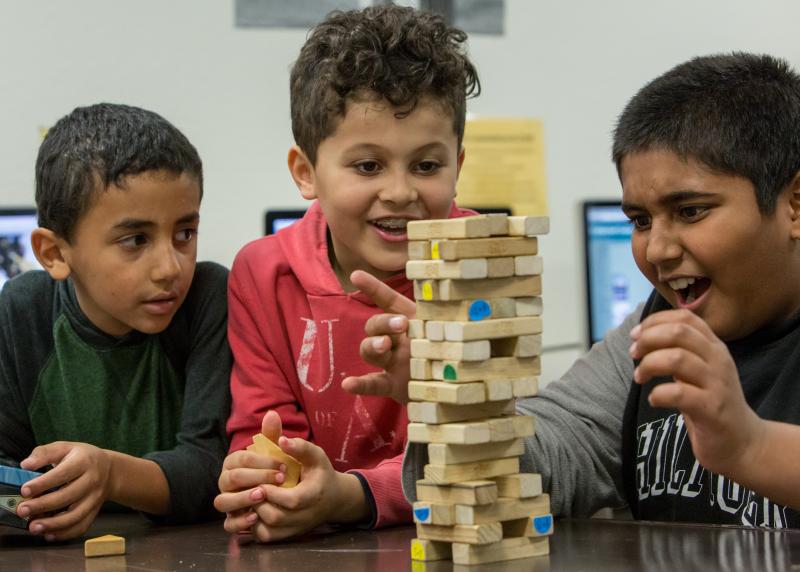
(302, 172)
(48, 248)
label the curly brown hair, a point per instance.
(387, 51)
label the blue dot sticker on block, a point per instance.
(479, 310)
(543, 524)
(422, 514)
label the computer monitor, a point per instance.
(16, 254)
(614, 284)
(275, 220)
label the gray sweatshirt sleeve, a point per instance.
(577, 447)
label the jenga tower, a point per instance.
(475, 348)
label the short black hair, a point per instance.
(385, 51)
(99, 145)
(738, 114)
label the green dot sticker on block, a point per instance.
(479, 310)
(450, 373)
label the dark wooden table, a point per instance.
(590, 545)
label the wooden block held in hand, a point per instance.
(108, 545)
(264, 446)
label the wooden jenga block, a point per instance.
(511, 427)
(482, 248)
(527, 306)
(519, 486)
(503, 509)
(416, 329)
(433, 513)
(421, 250)
(464, 351)
(500, 267)
(108, 545)
(506, 367)
(467, 269)
(469, 310)
(467, 289)
(527, 225)
(434, 330)
(469, 534)
(497, 389)
(492, 329)
(475, 471)
(528, 265)
(502, 367)
(468, 492)
(525, 386)
(442, 392)
(421, 368)
(520, 346)
(464, 227)
(441, 454)
(438, 413)
(264, 446)
(539, 525)
(429, 550)
(498, 224)
(500, 551)
(467, 432)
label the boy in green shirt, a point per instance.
(114, 362)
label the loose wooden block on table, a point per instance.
(444, 454)
(475, 471)
(264, 446)
(464, 227)
(492, 329)
(528, 265)
(539, 525)
(429, 550)
(445, 249)
(522, 485)
(503, 509)
(108, 545)
(469, 534)
(500, 551)
(502, 367)
(463, 351)
(467, 269)
(449, 289)
(437, 413)
(426, 512)
(468, 492)
(519, 346)
(528, 225)
(469, 310)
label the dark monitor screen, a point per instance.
(275, 220)
(614, 284)
(16, 254)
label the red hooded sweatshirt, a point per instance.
(295, 335)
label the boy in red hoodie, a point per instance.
(378, 99)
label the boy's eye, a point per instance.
(692, 212)
(186, 234)
(640, 222)
(132, 242)
(427, 167)
(368, 167)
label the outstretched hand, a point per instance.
(386, 345)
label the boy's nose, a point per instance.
(398, 190)
(166, 267)
(662, 245)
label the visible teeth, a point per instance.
(392, 222)
(681, 283)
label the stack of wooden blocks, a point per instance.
(475, 348)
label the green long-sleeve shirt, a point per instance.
(163, 397)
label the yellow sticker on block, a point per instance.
(427, 291)
(417, 550)
(435, 249)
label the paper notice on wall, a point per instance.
(504, 166)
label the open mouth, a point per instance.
(394, 226)
(689, 289)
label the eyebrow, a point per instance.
(374, 147)
(142, 224)
(671, 199)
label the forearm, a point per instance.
(138, 483)
(350, 505)
(772, 468)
